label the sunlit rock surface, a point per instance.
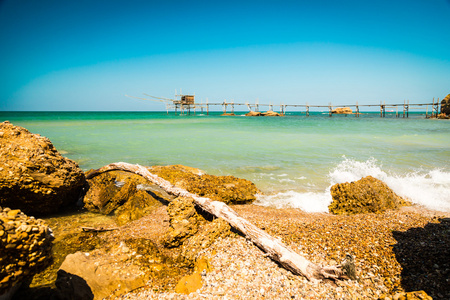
(34, 177)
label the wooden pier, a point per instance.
(186, 104)
(228, 108)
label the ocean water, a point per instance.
(294, 159)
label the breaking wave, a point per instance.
(428, 188)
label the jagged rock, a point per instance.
(445, 105)
(139, 204)
(25, 248)
(342, 110)
(184, 221)
(101, 190)
(367, 195)
(34, 177)
(253, 114)
(228, 189)
(118, 191)
(270, 114)
(206, 235)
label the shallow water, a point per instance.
(293, 159)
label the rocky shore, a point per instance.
(396, 251)
(131, 239)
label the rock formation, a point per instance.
(25, 248)
(367, 195)
(34, 177)
(253, 114)
(342, 110)
(271, 113)
(97, 274)
(124, 193)
(228, 189)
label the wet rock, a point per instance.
(25, 248)
(342, 110)
(367, 195)
(34, 177)
(228, 189)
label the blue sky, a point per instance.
(86, 55)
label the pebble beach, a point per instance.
(397, 251)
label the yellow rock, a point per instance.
(189, 284)
(13, 213)
(202, 264)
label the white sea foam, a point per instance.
(309, 202)
(430, 189)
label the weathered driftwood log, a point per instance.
(274, 248)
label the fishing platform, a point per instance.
(185, 104)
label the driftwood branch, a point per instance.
(97, 229)
(274, 248)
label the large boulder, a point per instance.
(97, 274)
(25, 248)
(191, 229)
(228, 189)
(367, 195)
(445, 105)
(129, 195)
(34, 177)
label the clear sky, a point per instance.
(87, 54)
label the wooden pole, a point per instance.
(407, 110)
(274, 248)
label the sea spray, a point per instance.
(308, 202)
(430, 189)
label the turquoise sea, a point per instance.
(294, 159)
